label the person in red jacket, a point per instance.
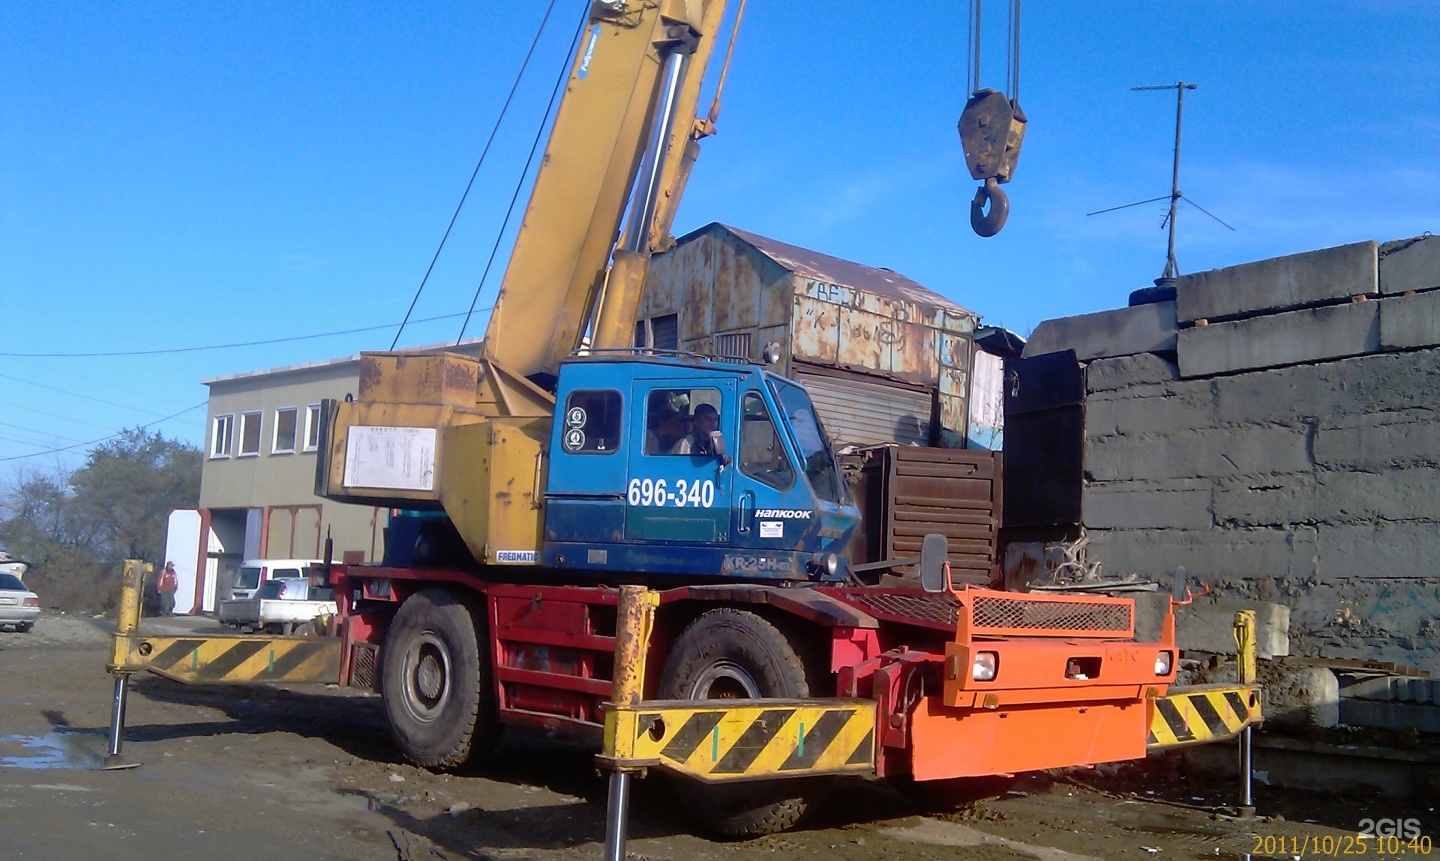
(166, 586)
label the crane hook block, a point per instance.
(992, 128)
(980, 222)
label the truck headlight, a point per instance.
(1163, 661)
(984, 666)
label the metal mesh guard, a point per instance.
(915, 608)
(1006, 613)
(362, 670)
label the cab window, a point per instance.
(670, 418)
(762, 457)
(591, 422)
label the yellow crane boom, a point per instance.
(623, 141)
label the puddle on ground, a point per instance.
(53, 750)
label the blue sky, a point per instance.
(185, 175)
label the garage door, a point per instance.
(861, 410)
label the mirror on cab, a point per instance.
(717, 445)
(934, 569)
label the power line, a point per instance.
(103, 438)
(111, 354)
(520, 183)
(483, 152)
(72, 394)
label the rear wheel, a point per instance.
(434, 681)
(24, 628)
(736, 654)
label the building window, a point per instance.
(249, 434)
(312, 427)
(220, 434)
(286, 419)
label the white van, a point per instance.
(253, 572)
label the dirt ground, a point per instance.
(310, 773)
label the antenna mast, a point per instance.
(1172, 269)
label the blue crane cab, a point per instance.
(692, 466)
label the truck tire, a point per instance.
(434, 682)
(735, 654)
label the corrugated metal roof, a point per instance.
(833, 270)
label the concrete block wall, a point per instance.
(1289, 452)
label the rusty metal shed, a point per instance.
(885, 359)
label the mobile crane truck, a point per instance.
(529, 484)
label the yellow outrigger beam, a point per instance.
(223, 658)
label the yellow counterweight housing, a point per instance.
(491, 484)
(423, 434)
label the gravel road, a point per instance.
(310, 773)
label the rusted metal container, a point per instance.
(884, 358)
(908, 492)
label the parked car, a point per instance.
(253, 572)
(19, 607)
(283, 606)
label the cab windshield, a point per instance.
(810, 438)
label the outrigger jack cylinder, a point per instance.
(634, 618)
(126, 621)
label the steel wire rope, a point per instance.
(1013, 85)
(515, 196)
(494, 130)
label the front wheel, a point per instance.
(735, 654)
(433, 680)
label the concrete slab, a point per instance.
(1121, 332)
(1310, 335)
(1410, 264)
(1379, 441)
(1173, 407)
(1145, 505)
(1382, 382)
(1279, 284)
(1348, 551)
(1207, 453)
(1209, 626)
(1122, 372)
(1210, 555)
(1269, 500)
(1410, 321)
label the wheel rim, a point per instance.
(427, 678)
(725, 680)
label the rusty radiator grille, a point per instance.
(993, 613)
(362, 667)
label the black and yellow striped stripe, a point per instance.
(1202, 714)
(745, 739)
(236, 659)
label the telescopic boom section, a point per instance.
(625, 131)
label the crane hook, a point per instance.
(989, 224)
